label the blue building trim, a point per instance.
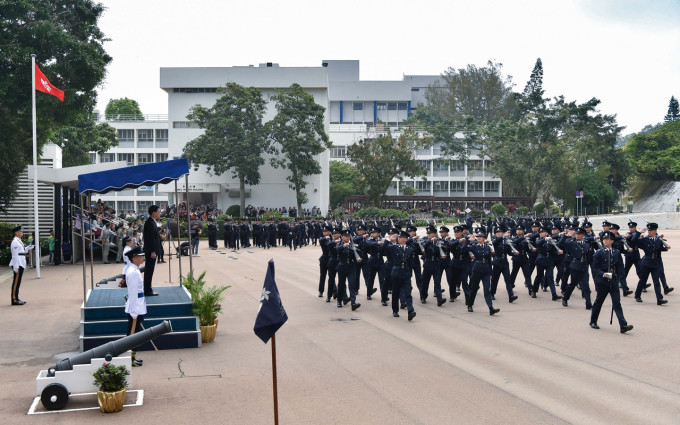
(408, 114)
(375, 112)
(341, 112)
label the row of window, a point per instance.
(142, 206)
(142, 158)
(194, 90)
(456, 186)
(382, 106)
(184, 124)
(143, 135)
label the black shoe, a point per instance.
(320, 294)
(556, 297)
(589, 307)
(372, 291)
(512, 298)
(441, 302)
(328, 299)
(355, 306)
(395, 314)
(335, 295)
(638, 299)
(661, 302)
(18, 302)
(626, 328)
(533, 295)
(627, 292)
(594, 325)
(647, 285)
(493, 297)
(339, 304)
(644, 290)
(151, 294)
(545, 289)
(451, 300)
(136, 364)
(493, 311)
(423, 300)
(368, 297)
(565, 303)
(667, 291)
(411, 315)
(345, 301)
(470, 308)
(402, 306)
(384, 303)
(443, 290)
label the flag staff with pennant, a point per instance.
(270, 317)
(41, 83)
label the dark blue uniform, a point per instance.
(481, 272)
(501, 266)
(650, 264)
(376, 264)
(607, 261)
(401, 256)
(433, 265)
(578, 269)
(347, 272)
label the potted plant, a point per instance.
(111, 380)
(206, 303)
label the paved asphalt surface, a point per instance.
(536, 362)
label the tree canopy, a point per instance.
(234, 138)
(382, 159)
(656, 155)
(124, 108)
(343, 180)
(82, 137)
(299, 135)
(673, 110)
(69, 50)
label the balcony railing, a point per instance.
(131, 118)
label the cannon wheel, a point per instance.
(54, 397)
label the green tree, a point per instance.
(383, 159)
(69, 50)
(673, 111)
(343, 180)
(298, 130)
(656, 155)
(234, 138)
(83, 137)
(123, 109)
(481, 93)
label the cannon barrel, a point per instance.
(113, 348)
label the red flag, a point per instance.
(43, 84)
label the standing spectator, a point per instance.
(120, 234)
(51, 242)
(195, 234)
(152, 247)
(106, 234)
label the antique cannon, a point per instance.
(74, 374)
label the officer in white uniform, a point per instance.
(18, 263)
(135, 306)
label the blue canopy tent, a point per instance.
(130, 178)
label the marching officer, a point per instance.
(376, 263)
(607, 265)
(481, 272)
(578, 250)
(544, 264)
(433, 256)
(500, 264)
(651, 262)
(347, 260)
(401, 256)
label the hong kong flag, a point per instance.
(43, 84)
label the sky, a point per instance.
(624, 52)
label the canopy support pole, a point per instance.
(186, 187)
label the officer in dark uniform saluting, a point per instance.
(607, 265)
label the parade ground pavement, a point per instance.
(535, 362)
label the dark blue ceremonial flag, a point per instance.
(271, 315)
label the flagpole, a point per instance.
(276, 400)
(36, 239)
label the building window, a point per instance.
(145, 135)
(392, 106)
(381, 106)
(423, 186)
(144, 158)
(403, 106)
(122, 206)
(475, 164)
(358, 106)
(160, 157)
(415, 89)
(162, 135)
(126, 135)
(457, 165)
(491, 186)
(425, 164)
(440, 165)
(93, 157)
(107, 157)
(143, 206)
(184, 124)
(127, 157)
(339, 152)
(458, 186)
(488, 164)
(440, 186)
(195, 90)
(475, 186)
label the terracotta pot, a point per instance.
(208, 333)
(110, 402)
